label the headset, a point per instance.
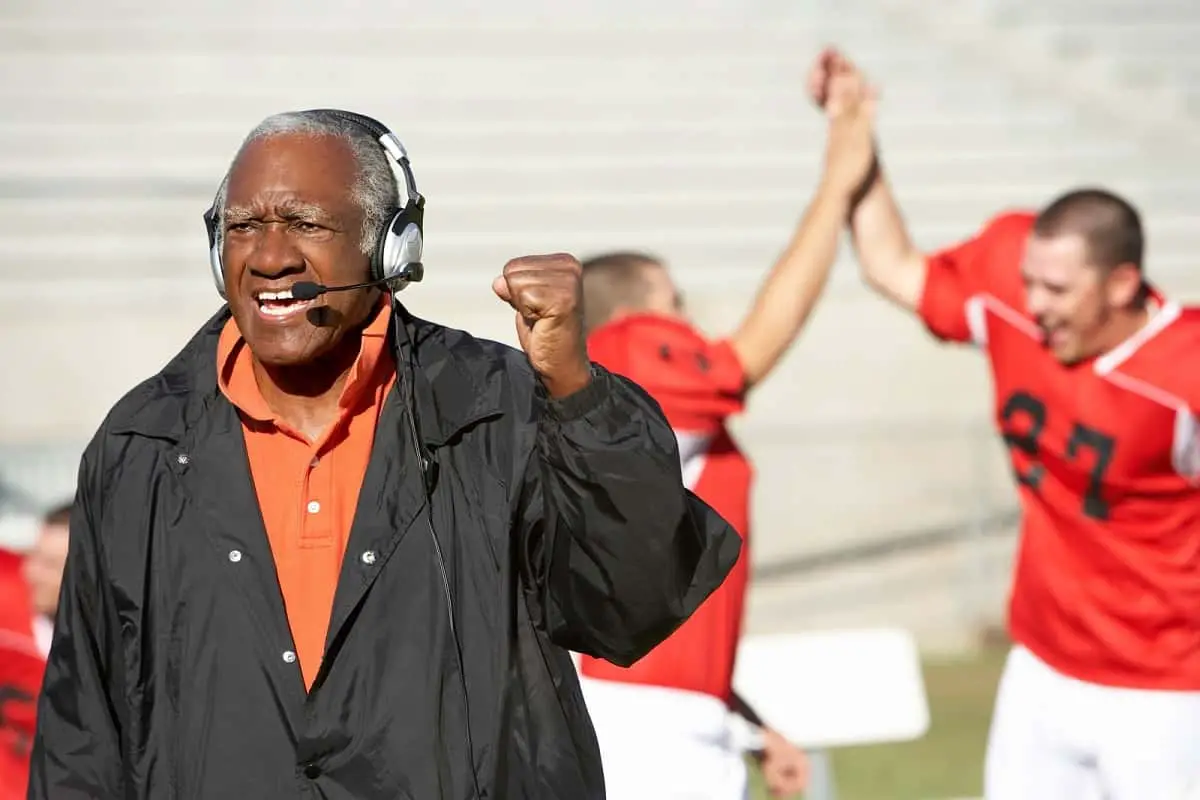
(395, 263)
(396, 260)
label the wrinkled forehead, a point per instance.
(316, 171)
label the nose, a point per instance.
(274, 253)
(1036, 302)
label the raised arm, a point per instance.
(617, 553)
(890, 262)
(614, 552)
(948, 288)
(76, 751)
(787, 296)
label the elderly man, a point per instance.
(333, 550)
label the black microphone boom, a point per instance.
(308, 290)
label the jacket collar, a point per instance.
(457, 382)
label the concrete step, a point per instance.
(1159, 188)
(1165, 38)
(580, 70)
(445, 115)
(194, 100)
(485, 172)
(153, 31)
(797, 133)
(800, 118)
(1183, 67)
(1090, 14)
(161, 26)
(39, 222)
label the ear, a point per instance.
(1123, 285)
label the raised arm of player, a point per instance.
(787, 296)
(890, 262)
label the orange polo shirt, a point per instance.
(308, 490)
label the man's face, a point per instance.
(43, 568)
(1071, 300)
(289, 218)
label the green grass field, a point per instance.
(948, 761)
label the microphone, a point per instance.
(308, 290)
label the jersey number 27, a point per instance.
(1023, 418)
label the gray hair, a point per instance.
(374, 189)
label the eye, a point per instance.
(310, 231)
(239, 227)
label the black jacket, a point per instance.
(561, 524)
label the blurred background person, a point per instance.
(43, 571)
(1097, 395)
(663, 723)
(29, 586)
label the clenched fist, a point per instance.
(546, 292)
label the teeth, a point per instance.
(269, 303)
(283, 311)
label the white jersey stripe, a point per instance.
(693, 453)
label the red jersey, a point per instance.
(698, 384)
(1107, 463)
(21, 668)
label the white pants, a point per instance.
(664, 744)
(1057, 738)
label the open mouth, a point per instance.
(280, 304)
(1054, 335)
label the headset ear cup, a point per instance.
(400, 246)
(410, 251)
(214, 251)
(218, 271)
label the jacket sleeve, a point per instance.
(616, 553)
(76, 750)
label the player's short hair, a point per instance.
(59, 514)
(614, 280)
(1109, 225)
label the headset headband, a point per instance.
(406, 184)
